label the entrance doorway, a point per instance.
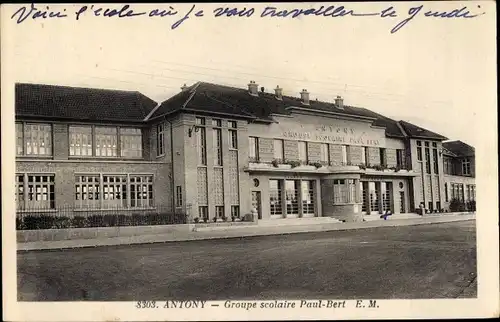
(402, 204)
(256, 203)
(373, 191)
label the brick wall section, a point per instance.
(314, 152)
(291, 150)
(65, 176)
(355, 154)
(335, 154)
(373, 156)
(61, 141)
(266, 150)
(391, 157)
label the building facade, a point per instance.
(217, 151)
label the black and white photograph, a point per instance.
(249, 161)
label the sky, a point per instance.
(434, 72)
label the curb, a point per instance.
(341, 227)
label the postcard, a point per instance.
(249, 161)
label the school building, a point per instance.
(218, 151)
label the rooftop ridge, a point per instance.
(81, 87)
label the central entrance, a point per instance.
(256, 203)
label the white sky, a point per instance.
(436, 73)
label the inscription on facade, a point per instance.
(338, 136)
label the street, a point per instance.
(407, 262)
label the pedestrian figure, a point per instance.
(422, 209)
(387, 214)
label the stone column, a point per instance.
(299, 199)
(379, 195)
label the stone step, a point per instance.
(297, 221)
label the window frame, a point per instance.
(253, 144)
(47, 139)
(160, 139)
(98, 184)
(33, 189)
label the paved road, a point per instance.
(426, 261)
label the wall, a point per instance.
(65, 176)
(427, 187)
(323, 129)
(186, 165)
(449, 179)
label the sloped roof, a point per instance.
(415, 131)
(459, 148)
(208, 97)
(90, 104)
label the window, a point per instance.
(217, 137)
(33, 139)
(217, 123)
(430, 207)
(466, 167)
(302, 151)
(279, 153)
(292, 197)
(131, 142)
(419, 150)
(160, 139)
(427, 160)
(340, 195)
(446, 192)
(275, 191)
(80, 140)
(200, 121)
(363, 155)
(203, 212)
(106, 141)
(399, 158)
(219, 211)
(344, 154)
(201, 141)
(39, 193)
(178, 196)
(308, 199)
(447, 165)
(435, 160)
(473, 192)
(383, 160)
(235, 211)
(141, 191)
(233, 135)
(87, 191)
(95, 191)
(19, 139)
(325, 154)
(352, 190)
(19, 193)
(253, 154)
(114, 191)
(385, 188)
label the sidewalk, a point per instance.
(241, 232)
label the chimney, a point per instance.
(304, 95)
(184, 87)
(253, 88)
(339, 102)
(279, 92)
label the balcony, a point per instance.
(294, 166)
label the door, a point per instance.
(256, 203)
(402, 205)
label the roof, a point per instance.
(92, 104)
(214, 98)
(459, 148)
(415, 131)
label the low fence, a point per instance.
(66, 217)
